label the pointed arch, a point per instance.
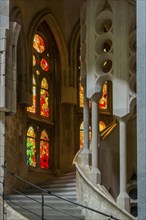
(47, 16)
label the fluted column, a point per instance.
(95, 173)
(123, 198)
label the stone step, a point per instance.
(64, 186)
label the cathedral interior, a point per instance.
(68, 104)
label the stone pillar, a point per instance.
(141, 109)
(123, 199)
(85, 151)
(95, 173)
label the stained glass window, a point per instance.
(82, 135)
(103, 101)
(81, 95)
(38, 142)
(44, 150)
(38, 43)
(44, 65)
(31, 147)
(44, 95)
(102, 125)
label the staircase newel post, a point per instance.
(43, 206)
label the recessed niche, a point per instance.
(83, 51)
(104, 64)
(104, 44)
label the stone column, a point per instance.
(141, 109)
(85, 151)
(123, 198)
(2, 137)
(95, 173)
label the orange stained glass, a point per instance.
(103, 100)
(102, 125)
(32, 109)
(31, 147)
(34, 60)
(82, 135)
(44, 98)
(38, 43)
(81, 95)
(45, 65)
(44, 150)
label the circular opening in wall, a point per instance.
(133, 193)
(134, 210)
(104, 22)
(106, 66)
(107, 45)
(104, 43)
(107, 24)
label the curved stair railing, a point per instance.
(103, 196)
(45, 191)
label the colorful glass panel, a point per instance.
(44, 98)
(34, 60)
(32, 109)
(103, 100)
(44, 150)
(45, 65)
(102, 125)
(31, 147)
(81, 96)
(38, 43)
(82, 135)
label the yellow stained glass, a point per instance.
(81, 96)
(44, 98)
(102, 125)
(103, 100)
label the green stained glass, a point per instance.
(44, 98)
(31, 147)
(44, 150)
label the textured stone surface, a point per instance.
(100, 200)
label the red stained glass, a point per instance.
(32, 109)
(103, 100)
(38, 43)
(45, 65)
(44, 150)
(31, 147)
(44, 98)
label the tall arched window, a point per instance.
(40, 114)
